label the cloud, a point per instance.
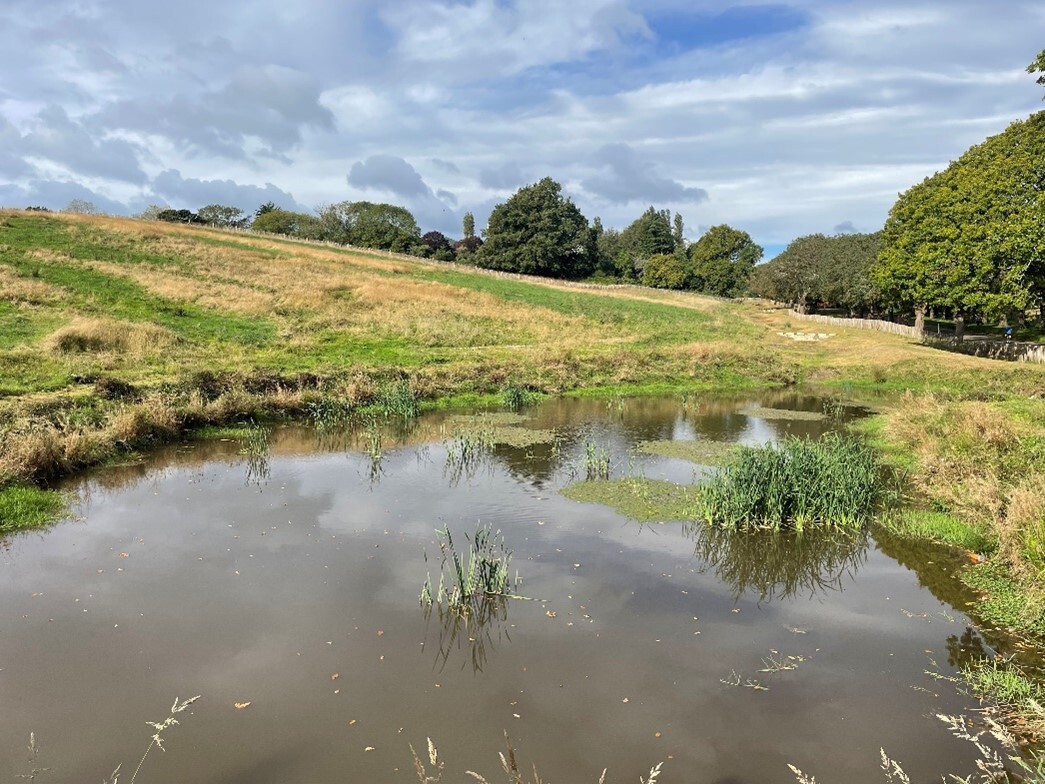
(190, 193)
(631, 180)
(845, 227)
(271, 104)
(395, 176)
(388, 173)
(56, 195)
(58, 138)
(505, 177)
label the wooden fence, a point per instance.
(875, 324)
(991, 348)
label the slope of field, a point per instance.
(117, 333)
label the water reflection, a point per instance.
(779, 564)
(476, 632)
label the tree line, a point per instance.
(536, 231)
(966, 244)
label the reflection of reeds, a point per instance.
(466, 452)
(256, 448)
(779, 564)
(833, 481)
(474, 630)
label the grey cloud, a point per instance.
(447, 166)
(501, 178)
(190, 193)
(629, 180)
(272, 104)
(55, 195)
(845, 227)
(58, 138)
(388, 173)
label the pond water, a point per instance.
(290, 587)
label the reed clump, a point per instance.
(833, 481)
(467, 581)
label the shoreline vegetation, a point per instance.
(117, 335)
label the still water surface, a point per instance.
(293, 587)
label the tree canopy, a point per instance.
(538, 231)
(370, 225)
(1038, 67)
(722, 260)
(816, 270)
(972, 237)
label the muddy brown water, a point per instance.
(293, 586)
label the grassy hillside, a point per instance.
(116, 333)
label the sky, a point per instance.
(781, 119)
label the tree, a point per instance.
(262, 209)
(722, 261)
(80, 207)
(437, 246)
(178, 216)
(649, 234)
(292, 224)
(152, 212)
(794, 276)
(469, 225)
(677, 234)
(1038, 67)
(369, 225)
(465, 249)
(666, 271)
(537, 231)
(225, 217)
(971, 238)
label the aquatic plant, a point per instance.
(835, 481)
(596, 462)
(464, 583)
(515, 396)
(397, 400)
(330, 413)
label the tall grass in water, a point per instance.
(835, 481)
(465, 582)
(596, 462)
(515, 396)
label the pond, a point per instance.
(284, 590)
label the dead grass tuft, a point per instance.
(91, 335)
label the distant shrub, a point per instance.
(179, 216)
(665, 271)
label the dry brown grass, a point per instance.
(980, 462)
(94, 335)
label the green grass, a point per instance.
(95, 293)
(23, 326)
(29, 507)
(1004, 603)
(833, 481)
(939, 527)
(662, 323)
